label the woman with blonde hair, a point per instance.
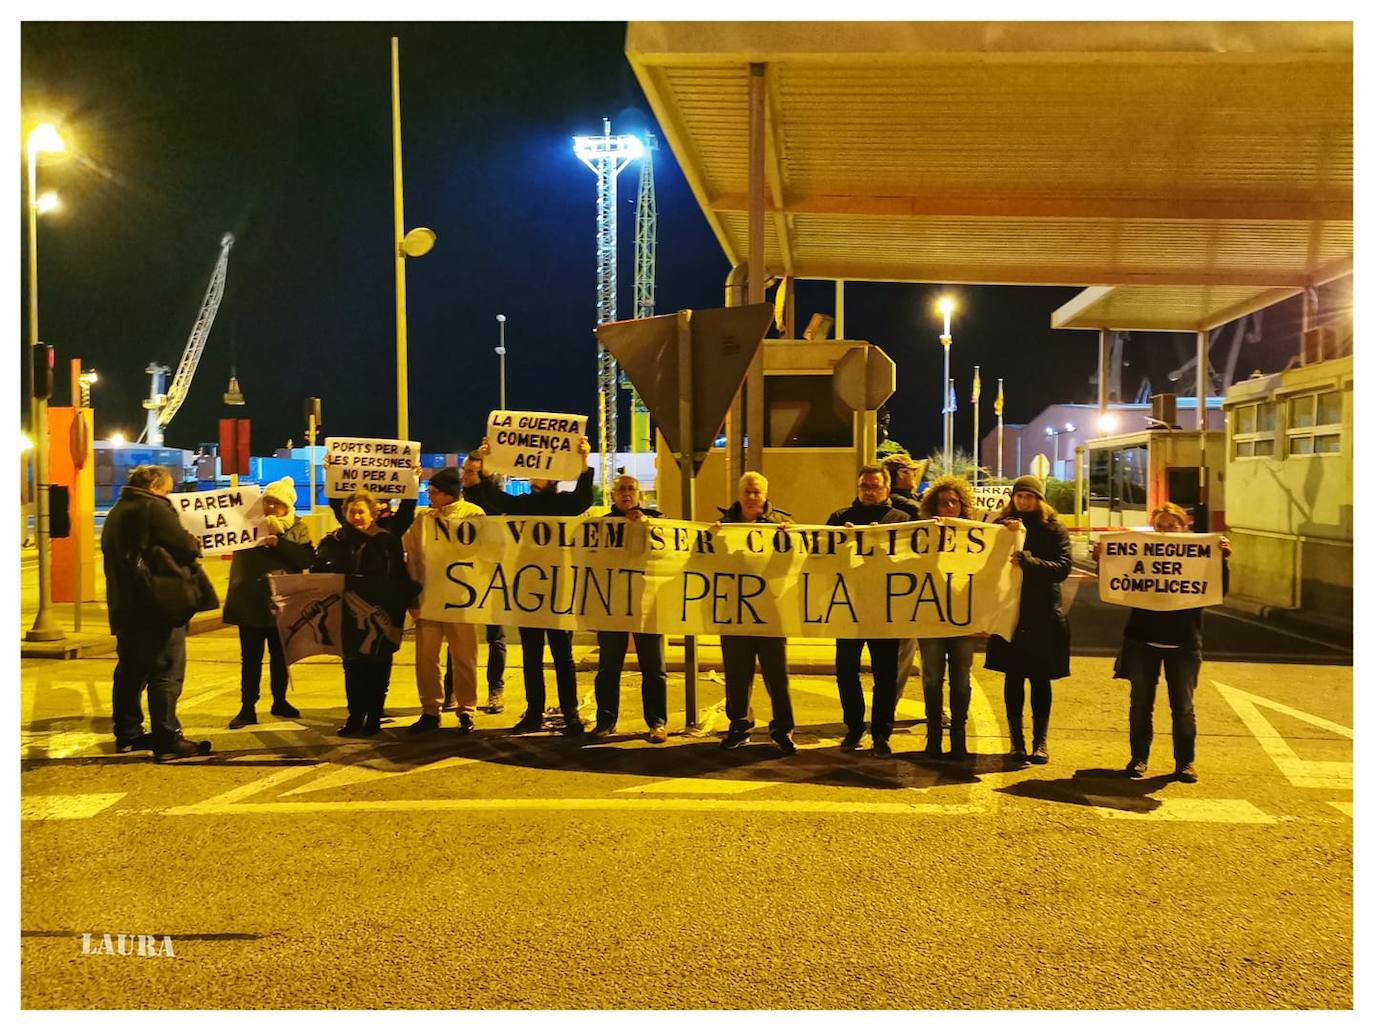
(949, 497)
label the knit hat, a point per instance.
(449, 480)
(283, 490)
(1031, 483)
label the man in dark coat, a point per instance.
(152, 653)
(544, 499)
(1039, 647)
(873, 505)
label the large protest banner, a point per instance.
(538, 444)
(221, 520)
(387, 468)
(337, 614)
(924, 579)
(1160, 571)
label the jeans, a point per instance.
(251, 641)
(738, 654)
(882, 653)
(653, 676)
(155, 659)
(935, 653)
(1141, 664)
(365, 684)
(565, 676)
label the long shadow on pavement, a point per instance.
(1097, 788)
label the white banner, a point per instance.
(993, 498)
(921, 579)
(538, 444)
(1160, 571)
(384, 467)
(222, 520)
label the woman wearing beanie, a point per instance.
(286, 548)
(1039, 648)
(949, 497)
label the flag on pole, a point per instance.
(997, 405)
(953, 405)
(977, 385)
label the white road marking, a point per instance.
(65, 807)
(58, 744)
(357, 774)
(1301, 773)
(1193, 810)
(981, 715)
(1348, 808)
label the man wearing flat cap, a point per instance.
(447, 507)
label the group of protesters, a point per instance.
(372, 541)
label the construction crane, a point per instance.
(162, 407)
(607, 156)
(646, 252)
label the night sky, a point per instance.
(281, 134)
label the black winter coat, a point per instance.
(139, 519)
(397, 522)
(552, 502)
(865, 515)
(248, 602)
(1039, 647)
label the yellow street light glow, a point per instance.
(47, 202)
(1107, 423)
(25, 443)
(118, 439)
(46, 138)
(946, 306)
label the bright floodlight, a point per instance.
(1049, 431)
(25, 443)
(946, 306)
(118, 439)
(500, 318)
(1068, 427)
(45, 137)
(591, 149)
(46, 202)
(1107, 423)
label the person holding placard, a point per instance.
(948, 497)
(1171, 640)
(361, 548)
(740, 652)
(872, 504)
(544, 499)
(1039, 647)
(248, 603)
(612, 644)
(448, 508)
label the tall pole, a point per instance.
(976, 456)
(501, 354)
(402, 379)
(310, 441)
(45, 627)
(999, 428)
(1204, 339)
(947, 307)
(687, 475)
(753, 395)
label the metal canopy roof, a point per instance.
(1214, 155)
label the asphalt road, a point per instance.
(296, 870)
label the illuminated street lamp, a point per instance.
(1050, 431)
(42, 139)
(501, 353)
(88, 379)
(946, 308)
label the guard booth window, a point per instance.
(1118, 478)
(802, 411)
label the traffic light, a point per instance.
(59, 511)
(42, 371)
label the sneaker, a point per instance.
(881, 748)
(424, 724)
(602, 730)
(183, 749)
(658, 734)
(496, 703)
(246, 718)
(1135, 769)
(285, 710)
(528, 725)
(574, 728)
(1187, 773)
(1018, 755)
(353, 727)
(449, 705)
(142, 743)
(734, 738)
(465, 724)
(851, 740)
(944, 720)
(783, 739)
(1040, 754)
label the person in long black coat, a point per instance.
(1039, 648)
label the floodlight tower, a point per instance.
(607, 156)
(646, 252)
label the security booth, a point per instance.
(819, 428)
(1130, 474)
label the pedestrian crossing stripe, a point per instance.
(65, 807)
(1301, 773)
(1192, 810)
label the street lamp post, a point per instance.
(1050, 431)
(501, 354)
(946, 306)
(43, 138)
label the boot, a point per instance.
(281, 707)
(247, 717)
(1018, 740)
(958, 748)
(1040, 752)
(934, 735)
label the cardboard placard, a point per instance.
(542, 445)
(1160, 571)
(387, 468)
(222, 520)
